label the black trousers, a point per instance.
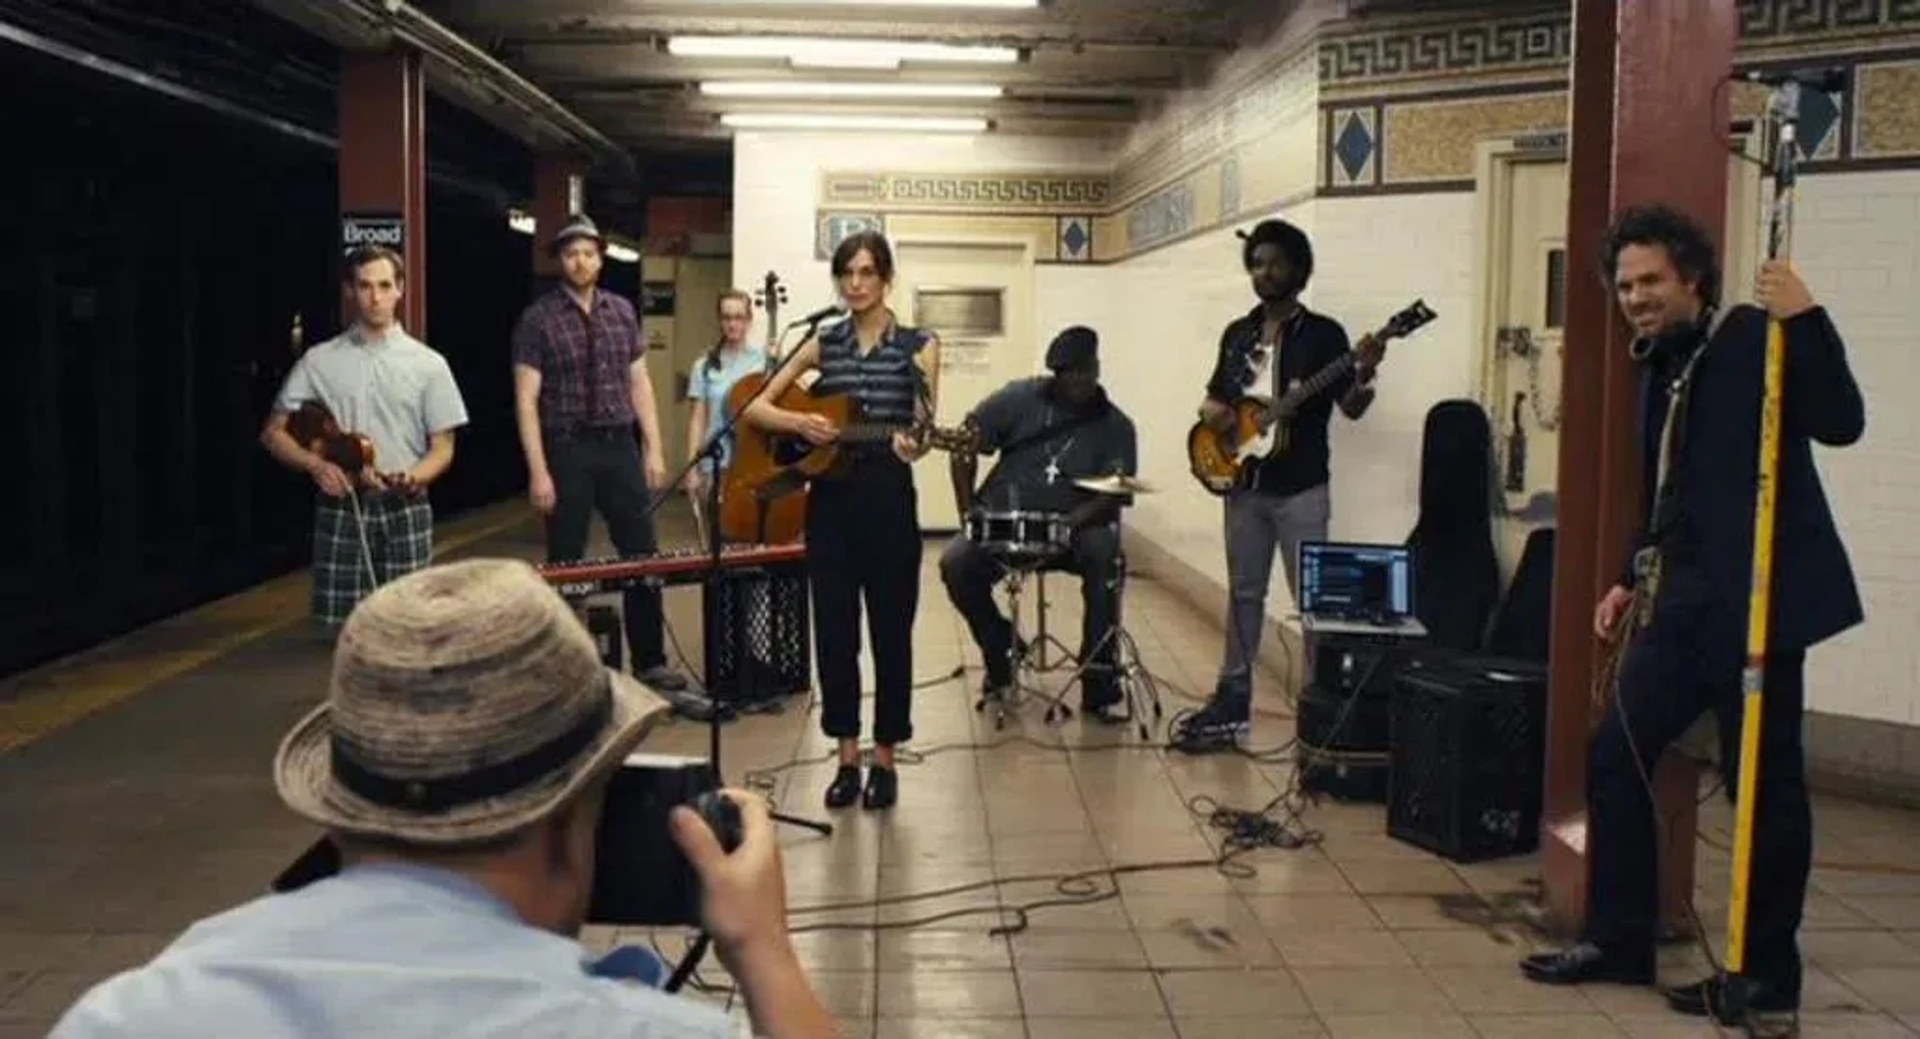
(601, 468)
(863, 544)
(970, 573)
(1688, 662)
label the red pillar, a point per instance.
(1649, 124)
(559, 191)
(383, 159)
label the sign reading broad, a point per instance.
(358, 230)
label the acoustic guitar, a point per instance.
(746, 517)
(1259, 428)
(770, 466)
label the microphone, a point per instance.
(1827, 80)
(818, 316)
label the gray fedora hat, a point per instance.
(467, 702)
(579, 225)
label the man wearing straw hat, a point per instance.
(460, 764)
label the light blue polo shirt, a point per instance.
(711, 386)
(396, 389)
(379, 951)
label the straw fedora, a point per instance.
(467, 702)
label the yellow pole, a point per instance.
(1753, 675)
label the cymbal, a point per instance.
(1115, 485)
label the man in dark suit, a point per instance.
(1683, 600)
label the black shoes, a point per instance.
(1219, 726)
(845, 787)
(882, 788)
(1585, 962)
(1731, 1001)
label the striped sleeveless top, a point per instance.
(886, 383)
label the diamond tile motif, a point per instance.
(1076, 238)
(1353, 146)
(1819, 124)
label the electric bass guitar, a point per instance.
(1224, 457)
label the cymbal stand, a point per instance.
(1138, 688)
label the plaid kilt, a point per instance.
(399, 540)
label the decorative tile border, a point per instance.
(1074, 239)
(969, 192)
(1410, 142)
(1396, 106)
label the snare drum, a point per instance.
(1019, 534)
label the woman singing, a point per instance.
(712, 379)
(863, 525)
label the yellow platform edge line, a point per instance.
(74, 687)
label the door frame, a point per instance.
(1027, 246)
(1494, 163)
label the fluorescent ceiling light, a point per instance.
(817, 52)
(622, 253)
(830, 91)
(520, 221)
(902, 3)
(829, 121)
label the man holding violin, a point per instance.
(372, 391)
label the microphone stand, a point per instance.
(710, 577)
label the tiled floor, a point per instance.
(123, 827)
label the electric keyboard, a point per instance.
(677, 567)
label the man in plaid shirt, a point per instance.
(579, 383)
(375, 525)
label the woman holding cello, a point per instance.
(713, 377)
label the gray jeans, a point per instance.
(1257, 526)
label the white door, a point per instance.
(978, 299)
(1530, 280)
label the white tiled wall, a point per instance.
(1159, 316)
(1853, 242)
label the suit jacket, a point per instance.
(1814, 596)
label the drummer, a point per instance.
(1048, 431)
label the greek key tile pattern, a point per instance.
(969, 192)
(1543, 40)
(1767, 21)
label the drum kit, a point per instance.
(1026, 542)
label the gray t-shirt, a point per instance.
(1038, 473)
(396, 390)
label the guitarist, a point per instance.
(1049, 431)
(863, 524)
(1286, 500)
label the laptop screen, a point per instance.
(1343, 579)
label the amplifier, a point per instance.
(1326, 720)
(1467, 756)
(1342, 665)
(1345, 775)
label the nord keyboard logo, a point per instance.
(358, 230)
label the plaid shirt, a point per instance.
(584, 359)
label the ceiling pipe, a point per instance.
(418, 29)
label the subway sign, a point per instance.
(359, 230)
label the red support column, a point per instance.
(559, 192)
(383, 159)
(1649, 123)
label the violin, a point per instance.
(314, 428)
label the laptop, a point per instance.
(1349, 588)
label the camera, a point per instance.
(641, 878)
